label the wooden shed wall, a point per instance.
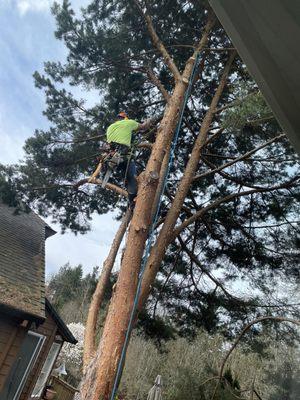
(11, 338)
(48, 329)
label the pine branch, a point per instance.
(236, 102)
(156, 81)
(238, 159)
(109, 186)
(92, 138)
(227, 199)
(236, 342)
(158, 43)
(271, 226)
(246, 328)
(194, 258)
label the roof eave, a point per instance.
(64, 330)
(13, 312)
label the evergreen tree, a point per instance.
(232, 199)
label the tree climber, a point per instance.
(119, 136)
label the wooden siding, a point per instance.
(11, 338)
(48, 329)
(63, 390)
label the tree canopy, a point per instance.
(236, 237)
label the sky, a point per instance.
(26, 42)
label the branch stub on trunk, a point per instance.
(152, 177)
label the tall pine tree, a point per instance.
(231, 203)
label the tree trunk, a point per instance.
(89, 349)
(163, 240)
(98, 384)
(100, 374)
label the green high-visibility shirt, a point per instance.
(121, 131)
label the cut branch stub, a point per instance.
(152, 177)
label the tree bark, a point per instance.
(91, 324)
(98, 384)
(100, 374)
(159, 249)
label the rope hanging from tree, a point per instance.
(152, 229)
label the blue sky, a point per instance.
(26, 41)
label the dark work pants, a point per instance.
(128, 169)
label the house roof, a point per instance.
(62, 327)
(266, 35)
(22, 263)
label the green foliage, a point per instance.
(248, 241)
(70, 292)
(189, 369)
(156, 328)
(8, 190)
(247, 111)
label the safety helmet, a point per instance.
(123, 115)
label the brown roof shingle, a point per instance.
(22, 261)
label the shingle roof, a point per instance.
(65, 332)
(22, 261)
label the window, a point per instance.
(22, 366)
(45, 372)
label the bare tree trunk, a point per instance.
(100, 374)
(91, 324)
(99, 384)
(159, 249)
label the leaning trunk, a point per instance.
(166, 234)
(91, 324)
(100, 374)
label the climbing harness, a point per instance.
(114, 155)
(152, 230)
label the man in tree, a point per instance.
(119, 136)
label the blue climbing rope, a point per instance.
(151, 231)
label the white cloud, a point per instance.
(33, 5)
(10, 148)
(90, 249)
(39, 6)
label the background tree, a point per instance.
(71, 355)
(70, 292)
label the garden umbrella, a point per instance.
(155, 391)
